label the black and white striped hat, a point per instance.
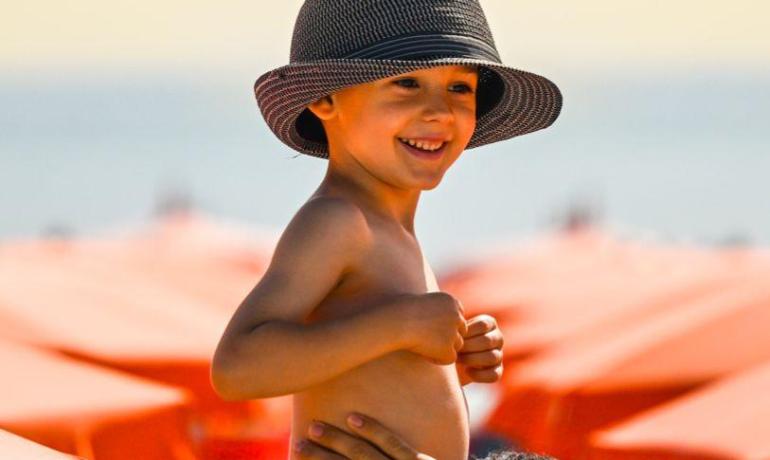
(338, 43)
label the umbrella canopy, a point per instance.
(215, 260)
(85, 410)
(729, 419)
(152, 301)
(553, 401)
(13, 446)
(107, 316)
(551, 288)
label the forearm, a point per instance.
(282, 357)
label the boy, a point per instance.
(390, 92)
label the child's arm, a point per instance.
(282, 357)
(266, 350)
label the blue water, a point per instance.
(683, 156)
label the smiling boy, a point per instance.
(390, 93)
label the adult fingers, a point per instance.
(343, 443)
(479, 325)
(387, 441)
(488, 341)
(307, 450)
(481, 359)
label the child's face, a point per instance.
(364, 123)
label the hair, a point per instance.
(512, 455)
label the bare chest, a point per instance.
(400, 389)
(393, 265)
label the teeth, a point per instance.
(422, 145)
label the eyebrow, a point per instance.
(467, 70)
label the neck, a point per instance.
(350, 179)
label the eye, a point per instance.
(401, 80)
(465, 89)
(468, 89)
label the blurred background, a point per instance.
(119, 117)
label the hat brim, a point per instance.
(518, 102)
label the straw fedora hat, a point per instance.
(338, 43)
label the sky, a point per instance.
(136, 36)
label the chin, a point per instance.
(428, 184)
(424, 179)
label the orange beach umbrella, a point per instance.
(552, 402)
(85, 410)
(556, 286)
(212, 259)
(727, 420)
(153, 303)
(14, 446)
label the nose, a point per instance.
(437, 106)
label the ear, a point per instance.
(323, 108)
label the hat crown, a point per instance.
(334, 29)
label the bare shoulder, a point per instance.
(322, 242)
(330, 219)
(327, 231)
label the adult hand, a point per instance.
(369, 441)
(481, 357)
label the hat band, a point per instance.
(417, 46)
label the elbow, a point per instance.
(230, 387)
(223, 388)
(224, 375)
(223, 381)
(238, 375)
(231, 382)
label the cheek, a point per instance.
(377, 123)
(467, 119)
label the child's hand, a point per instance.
(481, 357)
(435, 326)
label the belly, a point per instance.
(421, 402)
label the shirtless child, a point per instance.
(348, 316)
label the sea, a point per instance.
(651, 154)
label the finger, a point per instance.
(459, 342)
(341, 442)
(462, 327)
(481, 359)
(307, 450)
(379, 435)
(487, 375)
(479, 325)
(488, 341)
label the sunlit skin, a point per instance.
(349, 315)
(370, 167)
(363, 123)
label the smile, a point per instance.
(423, 151)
